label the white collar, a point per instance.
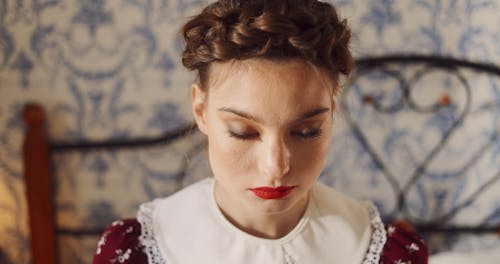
(189, 226)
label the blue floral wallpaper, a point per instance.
(111, 69)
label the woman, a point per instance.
(268, 75)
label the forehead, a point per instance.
(277, 91)
(258, 68)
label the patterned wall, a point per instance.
(111, 69)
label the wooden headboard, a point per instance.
(39, 148)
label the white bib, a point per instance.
(188, 227)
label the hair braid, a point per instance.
(274, 29)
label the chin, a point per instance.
(274, 206)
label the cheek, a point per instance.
(310, 157)
(227, 155)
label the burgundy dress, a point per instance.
(120, 244)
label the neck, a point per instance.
(260, 224)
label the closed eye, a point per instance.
(306, 134)
(243, 136)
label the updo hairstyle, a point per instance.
(271, 29)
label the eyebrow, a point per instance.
(302, 117)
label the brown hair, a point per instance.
(270, 29)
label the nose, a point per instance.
(276, 160)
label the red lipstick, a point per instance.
(272, 192)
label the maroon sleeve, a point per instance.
(120, 244)
(404, 247)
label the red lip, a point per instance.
(272, 192)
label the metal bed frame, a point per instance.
(39, 148)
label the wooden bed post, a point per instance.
(38, 184)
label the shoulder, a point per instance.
(404, 246)
(127, 241)
(335, 203)
(119, 243)
(357, 222)
(175, 206)
(189, 194)
(391, 244)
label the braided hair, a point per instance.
(272, 29)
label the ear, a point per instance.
(198, 102)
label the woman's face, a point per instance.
(269, 124)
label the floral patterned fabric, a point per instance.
(120, 244)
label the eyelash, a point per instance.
(312, 134)
(242, 136)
